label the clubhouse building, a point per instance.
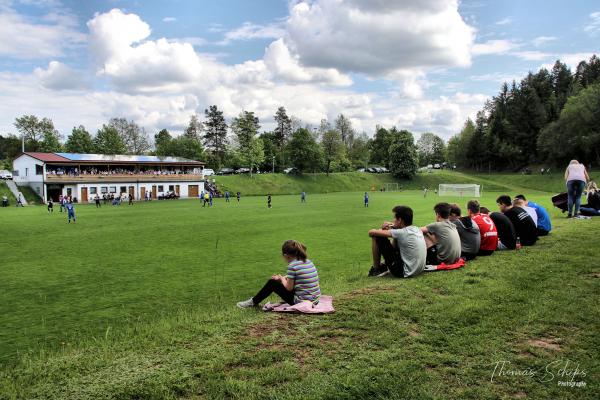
(85, 176)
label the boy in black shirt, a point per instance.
(521, 220)
(507, 237)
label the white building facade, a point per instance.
(85, 176)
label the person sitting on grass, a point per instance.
(507, 236)
(487, 229)
(524, 225)
(468, 230)
(405, 255)
(544, 226)
(441, 237)
(300, 284)
(518, 202)
(592, 208)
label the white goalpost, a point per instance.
(459, 190)
(391, 187)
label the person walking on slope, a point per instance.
(366, 199)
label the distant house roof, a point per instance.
(46, 157)
(105, 159)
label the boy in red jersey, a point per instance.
(487, 229)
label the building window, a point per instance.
(123, 189)
(93, 190)
(161, 188)
(171, 188)
(26, 171)
(39, 170)
(103, 189)
(113, 189)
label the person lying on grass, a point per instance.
(405, 255)
(300, 284)
(441, 237)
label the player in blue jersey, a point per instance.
(70, 211)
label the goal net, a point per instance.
(391, 187)
(460, 190)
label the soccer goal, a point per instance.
(391, 187)
(460, 190)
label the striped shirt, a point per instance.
(306, 280)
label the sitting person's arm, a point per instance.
(285, 281)
(380, 233)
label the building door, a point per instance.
(142, 193)
(177, 190)
(154, 191)
(193, 191)
(84, 195)
(132, 192)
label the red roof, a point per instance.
(46, 157)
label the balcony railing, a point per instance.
(123, 178)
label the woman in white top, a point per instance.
(576, 177)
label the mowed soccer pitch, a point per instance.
(129, 264)
(142, 296)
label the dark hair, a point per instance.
(442, 209)
(504, 200)
(295, 249)
(484, 210)
(473, 206)
(455, 209)
(520, 196)
(404, 213)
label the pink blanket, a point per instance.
(325, 306)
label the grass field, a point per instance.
(139, 302)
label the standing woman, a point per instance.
(301, 282)
(576, 177)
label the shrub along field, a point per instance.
(139, 302)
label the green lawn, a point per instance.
(139, 302)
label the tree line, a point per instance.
(549, 117)
(330, 147)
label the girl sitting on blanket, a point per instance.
(300, 284)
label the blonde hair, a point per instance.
(592, 187)
(295, 249)
(574, 162)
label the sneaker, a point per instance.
(385, 273)
(246, 303)
(569, 216)
(430, 267)
(376, 271)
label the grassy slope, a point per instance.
(115, 311)
(356, 182)
(30, 195)
(5, 191)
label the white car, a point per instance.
(4, 174)
(208, 172)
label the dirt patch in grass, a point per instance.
(441, 291)
(545, 343)
(592, 275)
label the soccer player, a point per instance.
(468, 230)
(269, 200)
(210, 198)
(303, 197)
(487, 229)
(524, 225)
(20, 200)
(366, 199)
(238, 196)
(61, 203)
(544, 225)
(206, 199)
(97, 201)
(70, 211)
(227, 196)
(4, 201)
(130, 199)
(405, 255)
(300, 284)
(424, 192)
(50, 206)
(441, 237)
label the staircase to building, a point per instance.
(15, 191)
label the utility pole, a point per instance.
(273, 163)
(23, 143)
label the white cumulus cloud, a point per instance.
(59, 76)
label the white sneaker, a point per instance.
(246, 303)
(385, 273)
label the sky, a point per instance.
(421, 65)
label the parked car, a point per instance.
(208, 172)
(4, 174)
(291, 170)
(437, 166)
(226, 171)
(242, 171)
(361, 170)
(383, 170)
(168, 195)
